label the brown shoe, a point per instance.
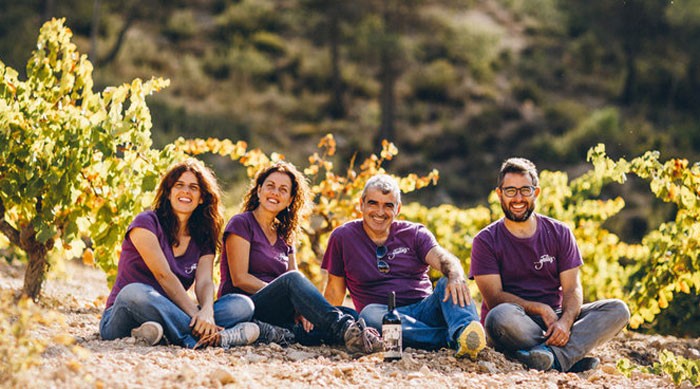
(362, 339)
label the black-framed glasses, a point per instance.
(525, 191)
(382, 265)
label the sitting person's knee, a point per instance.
(293, 274)
(135, 293)
(620, 309)
(500, 318)
(372, 314)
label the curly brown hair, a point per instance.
(206, 222)
(288, 221)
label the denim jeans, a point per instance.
(510, 329)
(292, 293)
(428, 324)
(138, 303)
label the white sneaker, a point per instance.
(149, 333)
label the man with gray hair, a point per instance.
(377, 255)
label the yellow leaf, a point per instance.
(88, 257)
(64, 339)
(81, 352)
(663, 303)
(73, 365)
(635, 321)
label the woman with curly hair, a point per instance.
(164, 252)
(259, 260)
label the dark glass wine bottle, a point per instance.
(391, 331)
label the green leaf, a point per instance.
(45, 232)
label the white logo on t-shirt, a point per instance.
(543, 259)
(397, 251)
(191, 269)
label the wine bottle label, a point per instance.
(391, 333)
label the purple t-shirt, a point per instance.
(132, 268)
(266, 261)
(351, 254)
(530, 267)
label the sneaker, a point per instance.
(539, 357)
(149, 333)
(585, 364)
(471, 340)
(239, 335)
(362, 339)
(273, 334)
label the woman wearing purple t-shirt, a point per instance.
(164, 252)
(259, 260)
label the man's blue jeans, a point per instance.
(510, 329)
(138, 303)
(428, 324)
(292, 293)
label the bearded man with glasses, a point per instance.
(377, 254)
(526, 266)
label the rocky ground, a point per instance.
(92, 363)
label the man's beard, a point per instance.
(510, 216)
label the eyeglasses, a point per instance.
(525, 191)
(382, 265)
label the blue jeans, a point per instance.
(510, 329)
(428, 324)
(290, 294)
(138, 303)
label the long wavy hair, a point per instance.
(288, 221)
(206, 222)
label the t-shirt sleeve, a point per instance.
(240, 226)
(333, 257)
(483, 260)
(146, 220)
(207, 250)
(570, 256)
(425, 241)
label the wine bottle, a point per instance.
(391, 331)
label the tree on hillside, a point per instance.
(637, 29)
(336, 17)
(71, 157)
(684, 18)
(131, 12)
(379, 41)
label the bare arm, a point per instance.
(292, 263)
(238, 250)
(204, 284)
(203, 323)
(558, 334)
(491, 289)
(147, 245)
(449, 265)
(335, 290)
